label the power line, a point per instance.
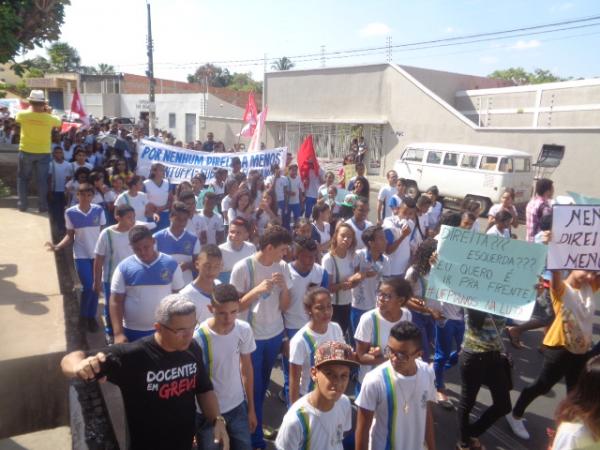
(332, 54)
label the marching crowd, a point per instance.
(208, 283)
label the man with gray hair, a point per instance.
(160, 377)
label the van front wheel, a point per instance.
(412, 190)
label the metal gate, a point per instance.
(332, 141)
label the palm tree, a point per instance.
(283, 63)
(105, 69)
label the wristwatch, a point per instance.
(220, 419)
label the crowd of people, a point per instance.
(209, 283)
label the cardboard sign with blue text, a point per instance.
(486, 272)
(182, 164)
(575, 237)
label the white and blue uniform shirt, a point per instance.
(231, 256)
(182, 249)
(158, 195)
(363, 295)
(144, 286)
(87, 229)
(295, 316)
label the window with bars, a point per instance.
(333, 141)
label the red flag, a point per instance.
(250, 117)
(77, 107)
(306, 156)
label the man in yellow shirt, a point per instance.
(34, 148)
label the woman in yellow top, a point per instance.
(567, 342)
(34, 148)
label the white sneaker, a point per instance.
(517, 426)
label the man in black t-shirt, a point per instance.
(160, 376)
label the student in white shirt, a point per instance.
(398, 229)
(83, 223)
(237, 246)
(304, 274)
(263, 280)
(312, 191)
(196, 225)
(138, 285)
(79, 160)
(59, 172)
(398, 394)
(80, 176)
(319, 329)
(159, 195)
(321, 228)
(340, 263)
(385, 195)
(501, 227)
(435, 210)
(359, 221)
(208, 266)
(421, 230)
(278, 184)
(215, 230)
(321, 419)
(398, 197)
(373, 265)
(111, 248)
(231, 187)
(295, 197)
(241, 206)
(227, 345)
(135, 198)
(374, 326)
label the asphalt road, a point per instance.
(528, 361)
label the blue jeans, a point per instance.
(285, 362)
(427, 326)
(24, 170)
(309, 202)
(263, 360)
(89, 298)
(134, 335)
(237, 429)
(355, 315)
(292, 209)
(445, 357)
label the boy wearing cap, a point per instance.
(320, 418)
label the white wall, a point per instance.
(180, 105)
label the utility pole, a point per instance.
(150, 74)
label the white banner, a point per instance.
(575, 237)
(182, 164)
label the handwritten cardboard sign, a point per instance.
(575, 237)
(486, 272)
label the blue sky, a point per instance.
(188, 33)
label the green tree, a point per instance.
(215, 75)
(26, 24)
(63, 57)
(283, 63)
(519, 76)
(105, 69)
(245, 82)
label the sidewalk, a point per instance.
(33, 393)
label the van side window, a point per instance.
(469, 161)
(413, 154)
(451, 159)
(521, 164)
(506, 165)
(434, 157)
(488, 162)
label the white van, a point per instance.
(467, 171)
